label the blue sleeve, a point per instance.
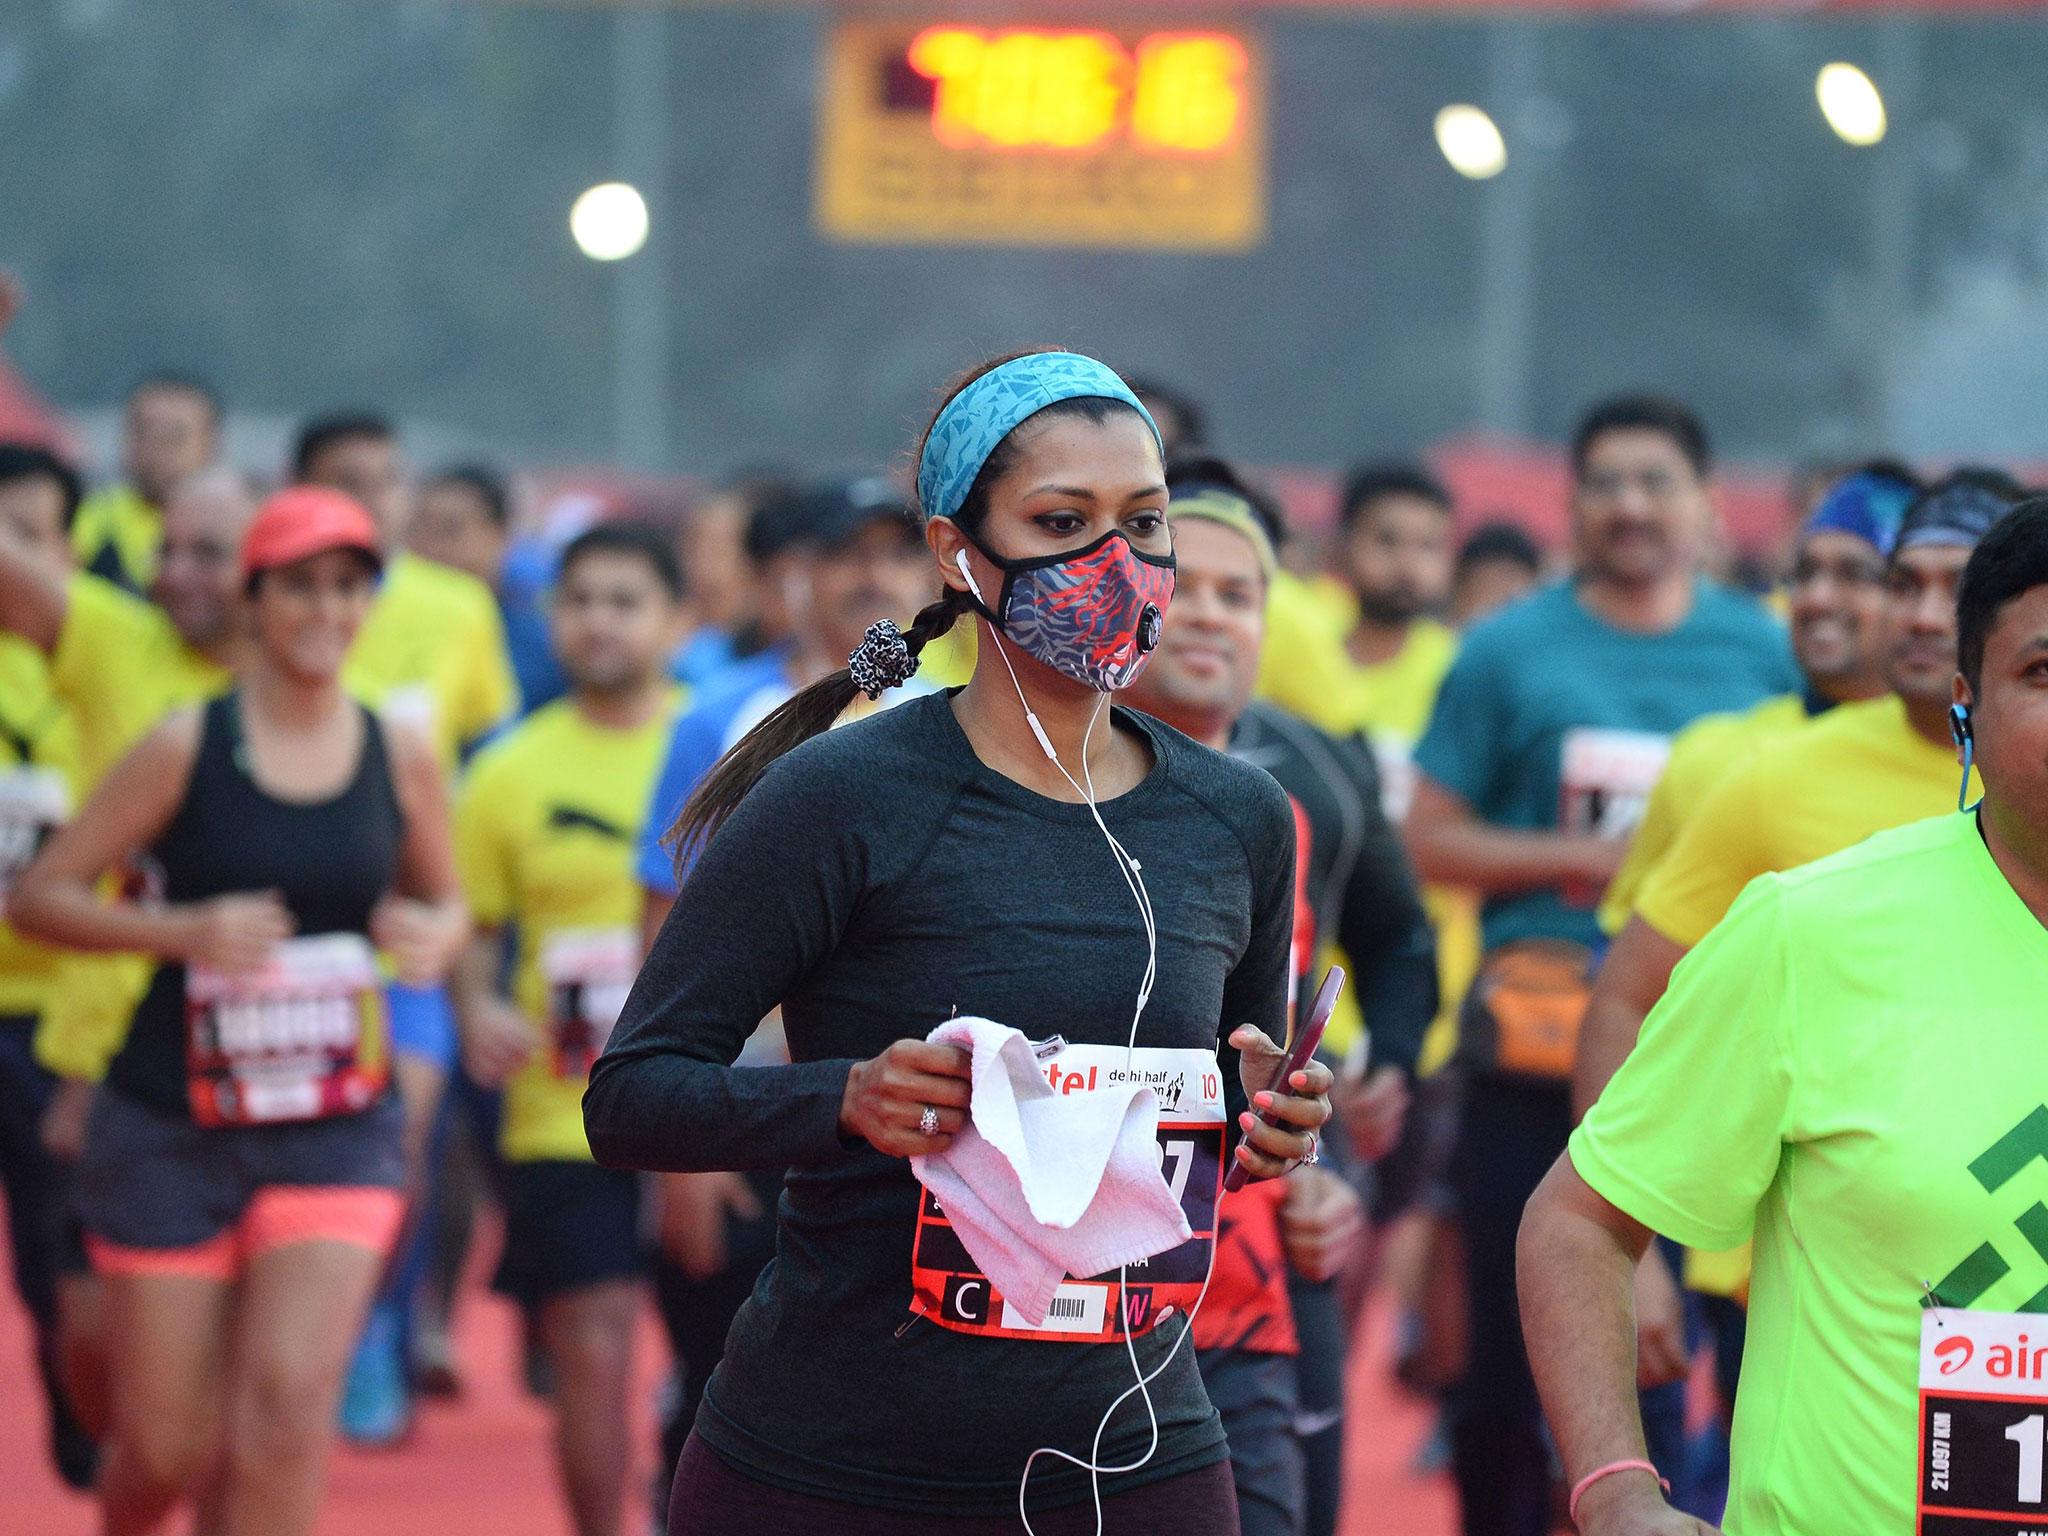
(692, 752)
(1468, 729)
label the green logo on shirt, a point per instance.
(1997, 1167)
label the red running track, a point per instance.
(484, 1464)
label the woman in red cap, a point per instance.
(241, 1172)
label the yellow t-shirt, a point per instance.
(546, 827)
(120, 666)
(432, 653)
(1306, 670)
(1701, 756)
(118, 535)
(38, 792)
(948, 662)
(1858, 769)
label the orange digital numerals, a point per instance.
(1180, 92)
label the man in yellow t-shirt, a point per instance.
(546, 828)
(1851, 1067)
(171, 431)
(1862, 768)
(121, 663)
(1836, 605)
(39, 783)
(1393, 556)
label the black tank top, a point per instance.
(332, 860)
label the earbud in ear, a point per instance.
(1959, 723)
(960, 559)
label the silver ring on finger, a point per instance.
(1314, 1154)
(928, 1121)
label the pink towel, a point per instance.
(1041, 1185)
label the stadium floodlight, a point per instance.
(1849, 100)
(1471, 142)
(609, 221)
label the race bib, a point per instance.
(34, 802)
(1983, 1423)
(588, 972)
(1605, 779)
(414, 705)
(1394, 756)
(948, 1288)
(304, 1038)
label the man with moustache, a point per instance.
(1549, 732)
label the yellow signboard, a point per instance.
(960, 134)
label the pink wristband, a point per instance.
(1609, 1470)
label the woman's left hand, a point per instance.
(1301, 1105)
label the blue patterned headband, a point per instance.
(989, 410)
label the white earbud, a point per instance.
(960, 559)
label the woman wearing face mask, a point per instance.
(940, 859)
(239, 1185)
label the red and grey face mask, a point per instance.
(1093, 614)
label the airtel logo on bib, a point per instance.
(1954, 1354)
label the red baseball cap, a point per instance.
(304, 521)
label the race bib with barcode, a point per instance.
(588, 972)
(304, 1037)
(950, 1289)
(1983, 1423)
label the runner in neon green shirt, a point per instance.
(1852, 1066)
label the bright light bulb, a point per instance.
(609, 222)
(1471, 142)
(1850, 102)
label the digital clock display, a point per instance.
(950, 133)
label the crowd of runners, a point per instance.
(372, 859)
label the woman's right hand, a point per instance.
(235, 933)
(887, 1097)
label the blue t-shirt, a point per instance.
(725, 709)
(523, 583)
(703, 656)
(1552, 719)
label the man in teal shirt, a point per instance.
(1549, 733)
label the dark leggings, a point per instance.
(711, 1499)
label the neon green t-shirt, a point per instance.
(1854, 1065)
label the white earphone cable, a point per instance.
(1134, 881)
